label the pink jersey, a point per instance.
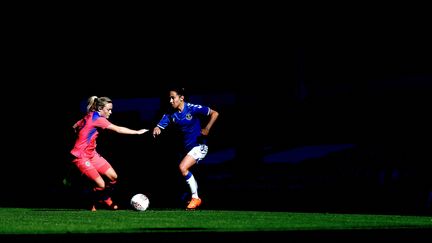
(85, 145)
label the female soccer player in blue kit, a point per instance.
(185, 116)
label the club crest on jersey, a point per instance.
(188, 117)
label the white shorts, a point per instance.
(199, 152)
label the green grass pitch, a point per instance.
(42, 223)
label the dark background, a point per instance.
(288, 90)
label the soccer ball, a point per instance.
(140, 202)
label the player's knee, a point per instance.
(184, 170)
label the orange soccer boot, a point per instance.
(110, 204)
(194, 204)
(107, 204)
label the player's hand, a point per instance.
(156, 131)
(205, 131)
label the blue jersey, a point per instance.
(188, 123)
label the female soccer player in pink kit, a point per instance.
(87, 159)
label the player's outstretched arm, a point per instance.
(125, 130)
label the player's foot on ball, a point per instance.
(194, 204)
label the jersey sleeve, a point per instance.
(102, 122)
(164, 122)
(200, 109)
(79, 124)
